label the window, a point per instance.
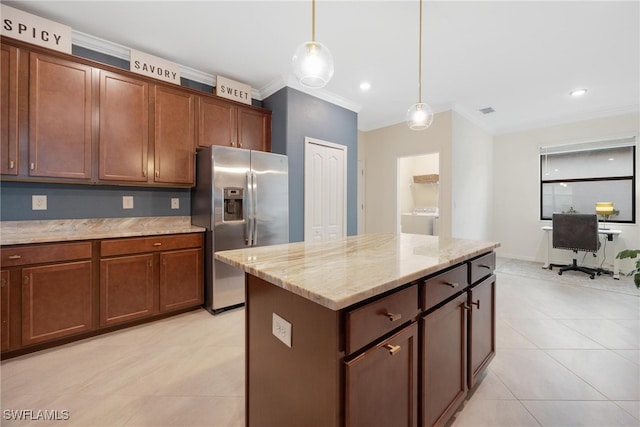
(574, 177)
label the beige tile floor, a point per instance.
(568, 355)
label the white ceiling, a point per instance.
(520, 57)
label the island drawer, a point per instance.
(40, 254)
(481, 267)
(438, 288)
(134, 245)
(367, 323)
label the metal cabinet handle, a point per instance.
(393, 316)
(469, 308)
(12, 164)
(484, 266)
(477, 304)
(157, 244)
(393, 349)
(453, 285)
(14, 257)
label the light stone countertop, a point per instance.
(339, 273)
(40, 231)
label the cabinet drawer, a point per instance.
(439, 288)
(40, 254)
(137, 245)
(369, 322)
(481, 267)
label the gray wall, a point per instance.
(65, 201)
(297, 115)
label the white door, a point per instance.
(325, 190)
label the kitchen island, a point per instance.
(377, 329)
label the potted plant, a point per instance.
(632, 253)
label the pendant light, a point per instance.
(420, 115)
(312, 61)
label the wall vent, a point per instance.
(487, 110)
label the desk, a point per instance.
(612, 235)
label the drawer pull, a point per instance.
(14, 257)
(453, 285)
(157, 244)
(393, 349)
(484, 266)
(477, 304)
(394, 316)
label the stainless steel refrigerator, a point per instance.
(242, 199)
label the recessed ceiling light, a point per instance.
(365, 86)
(577, 92)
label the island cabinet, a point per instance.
(5, 309)
(406, 357)
(143, 276)
(48, 291)
(229, 124)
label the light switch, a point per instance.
(281, 329)
(127, 202)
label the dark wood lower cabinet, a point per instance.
(381, 384)
(56, 301)
(482, 327)
(5, 307)
(126, 288)
(444, 361)
(60, 292)
(180, 279)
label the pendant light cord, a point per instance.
(313, 20)
(419, 58)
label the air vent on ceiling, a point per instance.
(487, 110)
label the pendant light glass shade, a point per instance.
(419, 116)
(313, 64)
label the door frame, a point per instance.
(307, 180)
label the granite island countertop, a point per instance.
(61, 230)
(339, 273)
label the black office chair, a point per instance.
(576, 232)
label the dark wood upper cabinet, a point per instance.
(124, 128)
(216, 122)
(60, 113)
(254, 129)
(9, 111)
(174, 138)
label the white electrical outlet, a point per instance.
(281, 329)
(175, 203)
(127, 202)
(38, 203)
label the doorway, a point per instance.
(325, 190)
(418, 180)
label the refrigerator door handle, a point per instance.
(254, 207)
(246, 201)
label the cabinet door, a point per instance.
(4, 310)
(216, 122)
(381, 383)
(444, 361)
(59, 118)
(181, 282)
(126, 288)
(9, 111)
(482, 327)
(254, 129)
(56, 301)
(124, 128)
(174, 143)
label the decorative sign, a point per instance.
(152, 66)
(35, 30)
(230, 89)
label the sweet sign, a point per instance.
(152, 66)
(35, 30)
(230, 89)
